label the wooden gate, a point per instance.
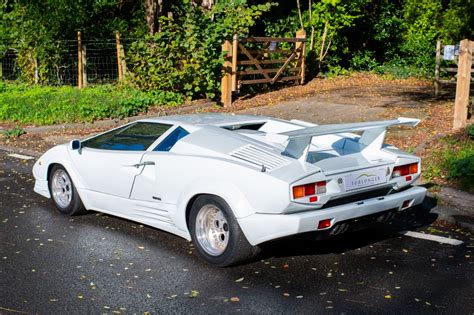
(257, 60)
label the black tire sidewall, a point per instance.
(75, 206)
(235, 233)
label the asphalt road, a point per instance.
(96, 263)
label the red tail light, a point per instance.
(311, 189)
(404, 170)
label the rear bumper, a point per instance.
(259, 228)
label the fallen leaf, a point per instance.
(240, 279)
(234, 299)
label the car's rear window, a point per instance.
(135, 137)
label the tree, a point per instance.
(153, 10)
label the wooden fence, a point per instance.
(82, 60)
(257, 60)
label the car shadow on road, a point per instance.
(309, 243)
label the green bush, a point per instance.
(470, 131)
(50, 105)
(454, 161)
(185, 56)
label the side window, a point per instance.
(171, 139)
(135, 137)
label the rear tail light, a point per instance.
(321, 187)
(404, 170)
(308, 190)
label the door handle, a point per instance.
(142, 164)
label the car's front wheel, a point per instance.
(216, 233)
(63, 192)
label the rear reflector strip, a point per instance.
(324, 224)
(313, 199)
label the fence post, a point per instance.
(36, 75)
(235, 45)
(123, 63)
(226, 82)
(119, 58)
(301, 50)
(438, 61)
(463, 84)
(84, 66)
(79, 60)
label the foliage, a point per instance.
(33, 28)
(186, 55)
(14, 132)
(470, 131)
(49, 105)
(453, 160)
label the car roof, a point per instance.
(214, 119)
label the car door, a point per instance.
(151, 184)
(109, 163)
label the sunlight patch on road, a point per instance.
(434, 238)
(21, 156)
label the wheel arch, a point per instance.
(193, 199)
(226, 191)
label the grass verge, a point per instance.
(46, 105)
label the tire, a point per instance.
(63, 192)
(229, 246)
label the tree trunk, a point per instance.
(153, 10)
(204, 4)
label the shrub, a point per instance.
(14, 133)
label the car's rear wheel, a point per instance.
(63, 192)
(216, 233)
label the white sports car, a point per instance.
(229, 182)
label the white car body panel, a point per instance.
(252, 170)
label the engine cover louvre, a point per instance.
(259, 157)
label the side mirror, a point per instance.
(75, 145)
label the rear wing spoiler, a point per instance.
(372, 136)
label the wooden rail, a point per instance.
(247, 63)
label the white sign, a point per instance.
(273, 46)
(365, 178)
(448, 52)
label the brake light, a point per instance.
(404, 170)
(309, 190)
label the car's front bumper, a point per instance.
(259, 228)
